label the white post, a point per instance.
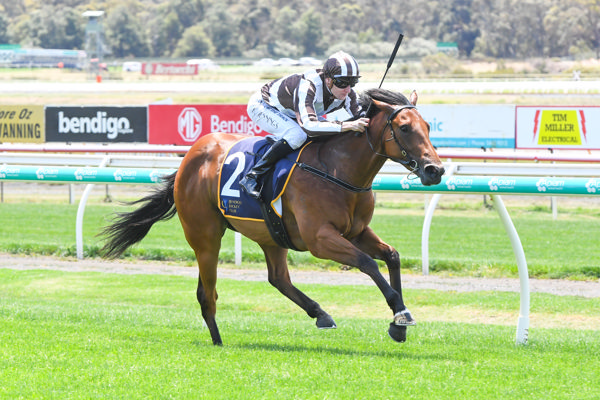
(238, 248)
(425, 233)
(81, 211)
(79, 221)
(523, 322)
(71, 193)
(427, 225)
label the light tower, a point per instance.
(94, 44)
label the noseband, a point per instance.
(408, 162)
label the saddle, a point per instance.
(235, 203)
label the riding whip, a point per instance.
(389, 64)
(392, 57)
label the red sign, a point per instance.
(169, 69)
(184, 124)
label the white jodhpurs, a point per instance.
(276, 123)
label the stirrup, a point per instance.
(251, 187)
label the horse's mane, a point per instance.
(384, 95)
(387, 96)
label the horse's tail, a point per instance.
(128, 228)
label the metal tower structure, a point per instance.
(94, 40)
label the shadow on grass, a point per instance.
(326, 349)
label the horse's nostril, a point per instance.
(434, 170)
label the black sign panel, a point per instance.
(96, 124)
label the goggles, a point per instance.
(345, 81)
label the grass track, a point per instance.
(91, 335)
(464, 241)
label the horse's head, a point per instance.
(398, 132)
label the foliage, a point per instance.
(194, 43)
(125, 32)
(143, 28)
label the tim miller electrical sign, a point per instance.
(96, 124)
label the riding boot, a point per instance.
(250, 183)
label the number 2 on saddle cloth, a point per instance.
(235, 203)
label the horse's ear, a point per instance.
(413, 98)
(383, 106)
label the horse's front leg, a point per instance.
(331, 245)
(279, 277)
(370, 243)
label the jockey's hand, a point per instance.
(358, 125)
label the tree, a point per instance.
(310, 32)
(563, 24)
(74, 32)
(591, 23)
(530, 29)
(4, 37)
(56, 28)
(457, 26)
(194, 43)
(255, 26)
(124, 33)
(167, 35)
(189, 12)
(220, 27)
(284, 27)
(496, 28)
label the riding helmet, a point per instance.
(341, 64)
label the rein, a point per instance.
(332, 179)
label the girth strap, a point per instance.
(275, 225)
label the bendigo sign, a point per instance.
(184, 124)
(96, 124)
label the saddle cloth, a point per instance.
(233, 201)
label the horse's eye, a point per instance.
(404, 128)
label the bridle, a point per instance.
(407, 161)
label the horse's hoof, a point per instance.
(403, 318)
(397, 332)
(326, 322)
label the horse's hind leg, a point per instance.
(207, 292)
(279, 277)
(203, 230)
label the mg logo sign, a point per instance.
(189, 124)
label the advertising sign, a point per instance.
(492, 185)
(169, 69)
(22, 124)
(564, 127)
(82, 174)
(474, 126)
(184, 124)
(96, 124)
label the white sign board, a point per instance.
(558, 127)
(474, 126)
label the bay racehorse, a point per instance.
(327, 213)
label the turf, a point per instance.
(91, 335)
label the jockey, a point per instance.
(293, 108)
